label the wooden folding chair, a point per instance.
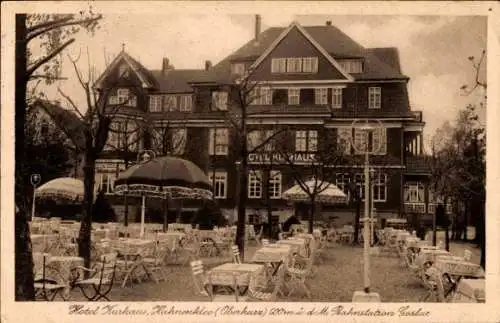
(51, 283)
(101, 278)
(236, 254)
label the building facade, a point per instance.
(298, 91)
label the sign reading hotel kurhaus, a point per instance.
(266, 158)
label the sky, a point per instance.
(434, 50)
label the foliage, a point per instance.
(46, 153)
(54, 33)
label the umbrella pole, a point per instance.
(143, 215)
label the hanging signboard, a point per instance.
(267, 158)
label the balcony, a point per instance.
(414, 208)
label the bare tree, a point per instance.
(321, 167)
(97, 118)
(54, 34)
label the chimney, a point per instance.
(208, 65)
(165, 67)
(258, 21)
(328, 22)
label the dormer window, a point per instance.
(352, 66)
(238, 69)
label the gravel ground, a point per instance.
(340, 274)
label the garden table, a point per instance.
(470, 291)
(297, 245)
(428, 255)
(65, 265)
(132, 252)
(456, 268)
(272, 254)
(222, 276)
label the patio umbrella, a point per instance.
(164, 177)
(328, 193)
(64, 188)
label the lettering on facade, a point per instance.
(267, 158)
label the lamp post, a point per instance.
(35, 180)
(366, 148)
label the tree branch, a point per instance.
(56, 25)
(72, 103)
(47, 58)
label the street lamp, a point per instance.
(35, 180)
(368, 131)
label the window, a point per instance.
(274, 185)
(380, 141)
(261, 96)
(219, 141)
(238, 68)
(186, 103)
(414, 192)
(301, 140)
(336, 98)
(254, 185)
(270, 144)
(278, 65)
(379, 184)
(342, 182)
(310, 65)
(179, 138)
(294, 96)
(306, 140)
(351, 66)
(125, 97)
(123, 70)
(359, 181)
(155, 103)
(344, 140)
(219, 101)
(170, 103)
(374, 97)
(321, 96)
(294, 65)
(360, 141)
(220, 184)
(376, 143)
(105, 181)
(112, 99)
(253, 139)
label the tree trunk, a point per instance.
(482, 234)
(84, 238)
(357, 216)
(269, 208)
(24, 284)
(466, 221)
(240, 226)
(311, 214)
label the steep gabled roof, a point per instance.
(73, 126)
(380, 63)
(310, 39)
(144, 75)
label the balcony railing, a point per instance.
(414, 207)
(420, 208)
